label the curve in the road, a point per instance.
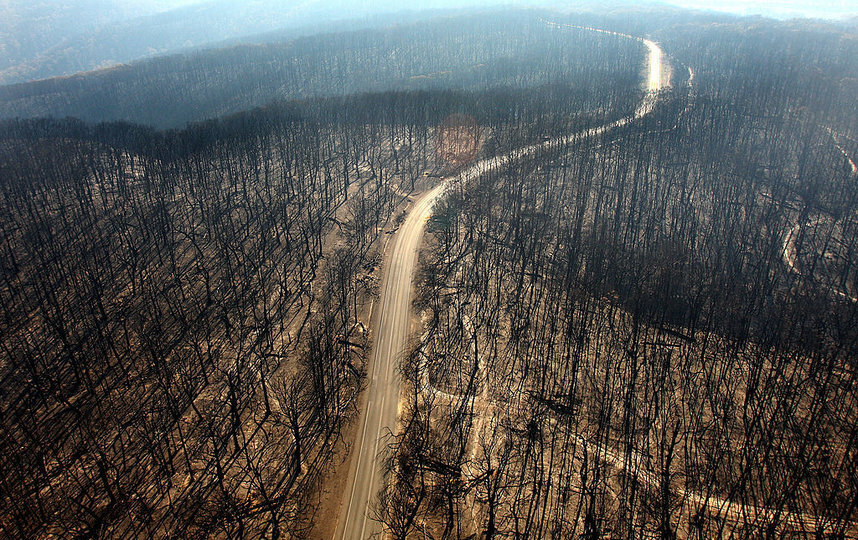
(714, 504)
(393, 314)
(790, 240)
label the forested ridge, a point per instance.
(649, 332)
(476, 52)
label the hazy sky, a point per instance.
(777, 8)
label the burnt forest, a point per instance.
(454, 273)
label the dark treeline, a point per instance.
(494, 50)
(42, 39)
(650, 333)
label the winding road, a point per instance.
(392, 314)
(790, 248)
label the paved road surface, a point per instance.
(393, 317)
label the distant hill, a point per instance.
(778, 9)
(33, 31)
(48, 38)
(475, 52)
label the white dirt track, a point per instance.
(392, 314)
